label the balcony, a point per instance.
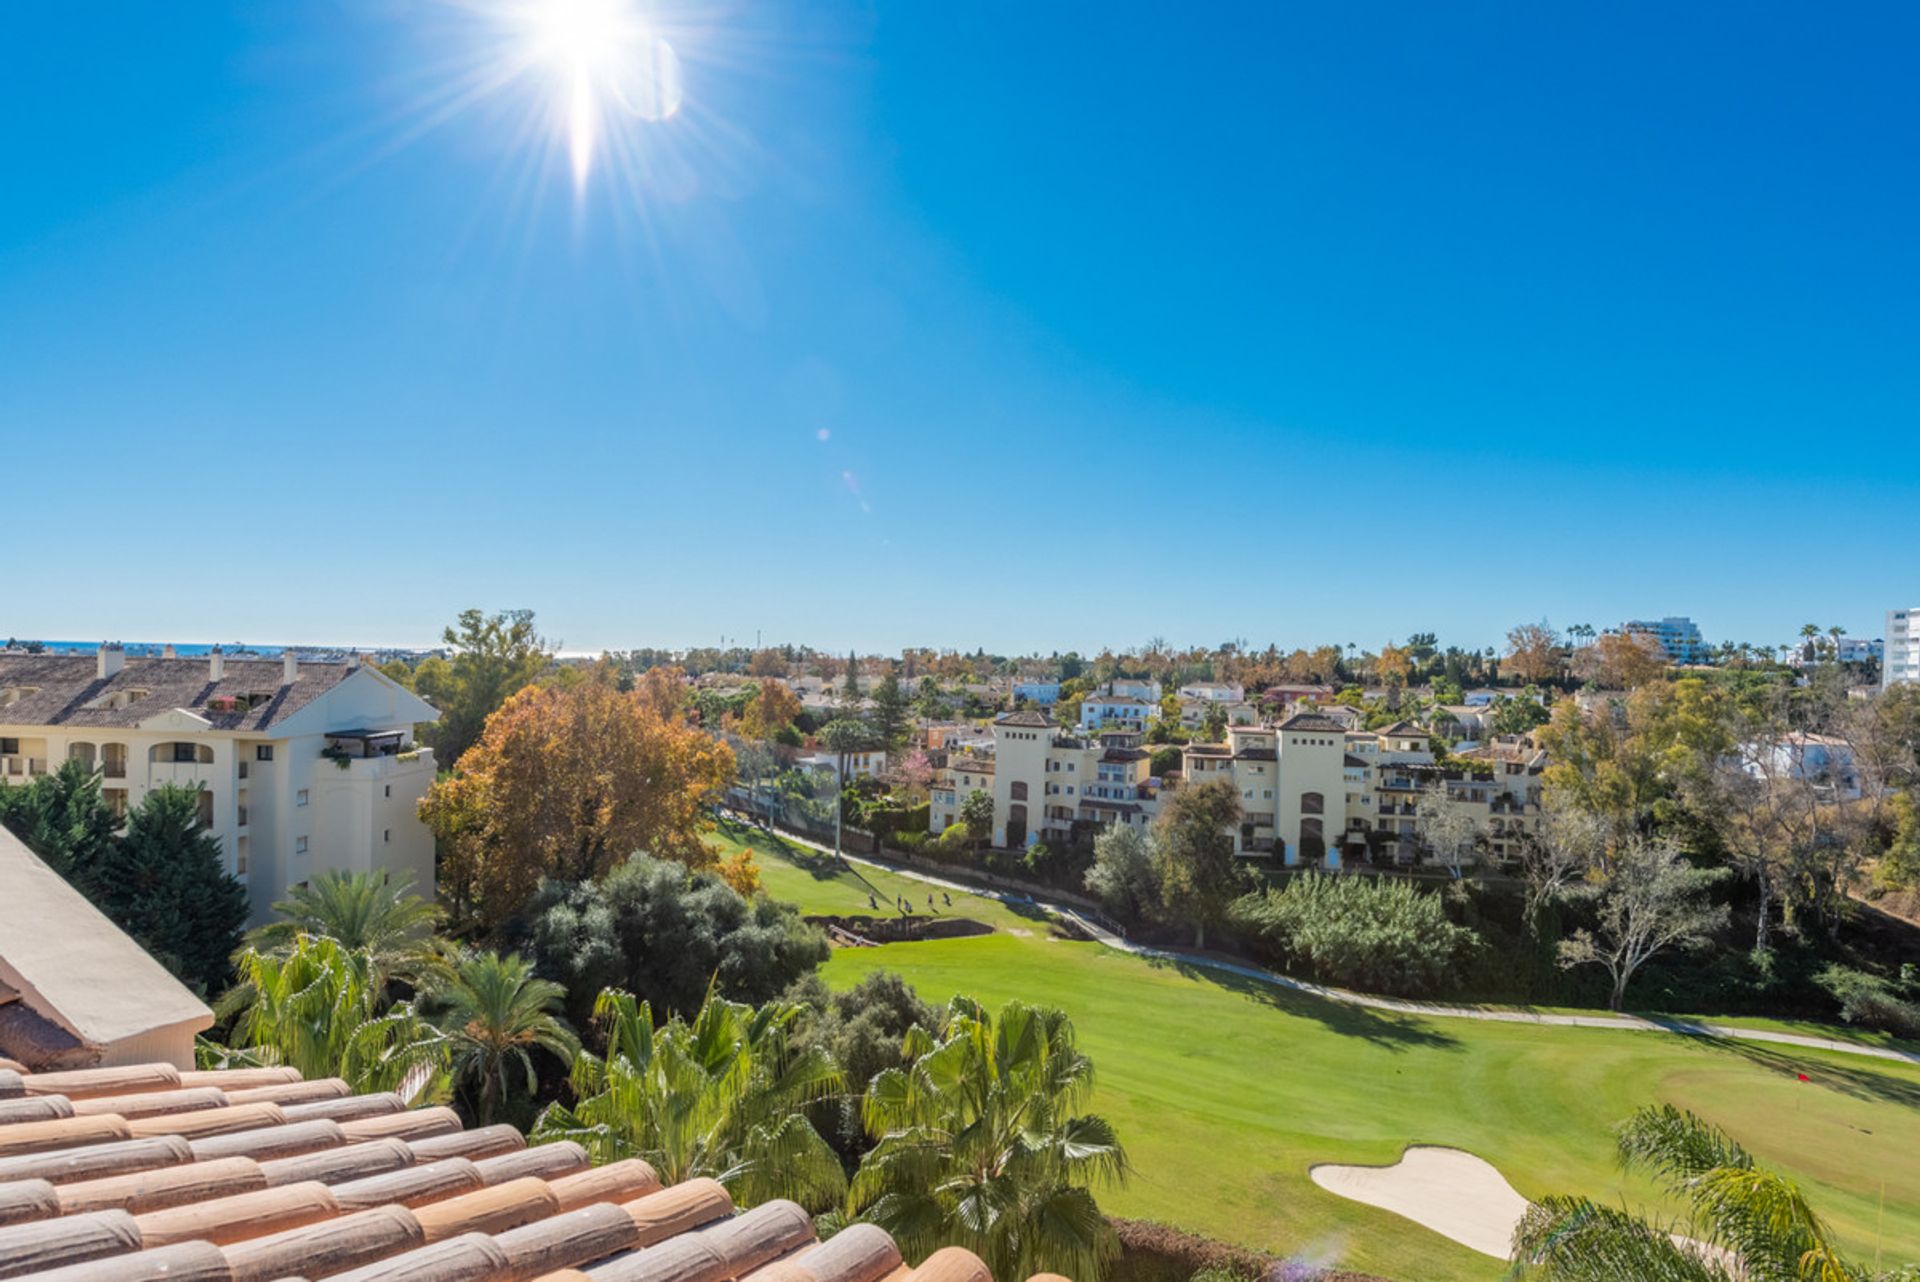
(23, 767)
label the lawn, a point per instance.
(1225, 1091)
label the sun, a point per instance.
(602, 58)
(603, 64)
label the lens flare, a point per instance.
(603, 61)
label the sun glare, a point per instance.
(603, 65)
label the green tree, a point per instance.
(494, 655)
(654, 929)
(1213, 725)
(163, 881)
(318, 1008)
(850, 687)
(976, 815)
(63, 819)
(364, 912)
(980, 1143)
(1122, 876)
(1900, 868)
(497, 1013)
(1652, 901)
(1760, 1225)
(892, 714)
(724, 1096)
(1193, 856)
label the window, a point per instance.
(299, 845)
(10, 747)
(389, 790)
(386, 834)
(1019, 791)
(1312, 803)
(185, 752)
(300, 798)
(263, 752)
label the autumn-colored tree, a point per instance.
(1623, 660)
(740, 872)
(1393, 666)
(567, 783)
(664, 691)
(776, 705)
(1533, 651)
(768, 663)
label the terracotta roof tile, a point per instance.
(255, 1176)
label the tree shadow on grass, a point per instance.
(1389, 1030)
(1858, 1081)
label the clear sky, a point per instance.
(1016, 325)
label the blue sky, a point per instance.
(1024, 326)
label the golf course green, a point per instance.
(1225, 1091)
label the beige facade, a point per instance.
(1315, 793)
(1047, 781)
(334, 784)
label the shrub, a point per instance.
(664, 934)
(1379, 935)
(1870, 1001)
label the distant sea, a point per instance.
(188, 650)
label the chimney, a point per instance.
(216, 664)
(167, 651)
(113, 657)
(289, 667)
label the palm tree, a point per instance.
(1747, 1224)
(319, 1008)
(723, 1096)
(497, 1012)
(365, 912)
(980, 1145)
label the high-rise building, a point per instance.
(1678, 636)
(1901, 659)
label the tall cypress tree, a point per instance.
(163, 882)
(63, 819)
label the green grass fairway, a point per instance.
(1225, 1091)
(800, 875)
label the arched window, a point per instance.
(81, 752)
(181, 751)
(1312, 803)
(113, 760)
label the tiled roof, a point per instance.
(1312, 721)
(62, 687)
(146, 1173)
(1034, 720)
(1404, 729)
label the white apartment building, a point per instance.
(1214, 691)
(302, 768)
(1145, 689)
(1107, 710)
(1901, 658)
(1677, 636)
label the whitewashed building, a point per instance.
(302, 768)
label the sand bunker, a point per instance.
(1455, 1194)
